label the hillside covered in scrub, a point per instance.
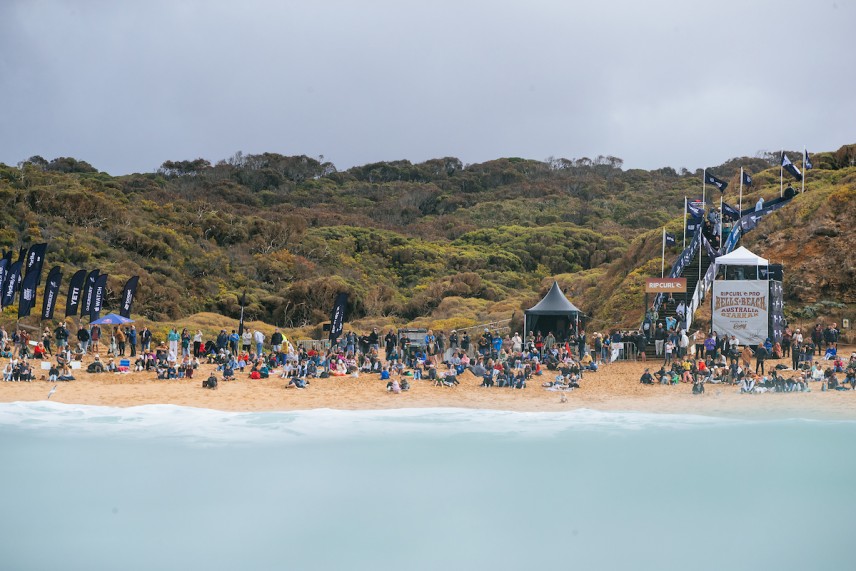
(439, 243)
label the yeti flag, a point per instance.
(88, 290)
(51, 292)
(28, 295)
(337, 319)
(790, 167)
(718, 183)
(671, 240)
(806, 160)
(747, 179)
(98, 291)
(75, 289)
(128, 294)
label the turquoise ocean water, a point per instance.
(166, 487)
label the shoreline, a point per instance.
(614, 388)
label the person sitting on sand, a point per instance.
(65, 374)
(698, 387)
(297, 383)
(393, 387)
(211, 382)
(405, 384)
(646, 378)
(228, 373)
(95, 366)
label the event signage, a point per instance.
(741, 308)
(337, 317)
(74, 291)
(665, 285)
(51, 292)
(128, 293)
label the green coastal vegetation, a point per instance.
(437, 243)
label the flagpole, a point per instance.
(685, 223)
(805, 171)
(740, 203)
(721, 220)
(663, 256)
(781, 175)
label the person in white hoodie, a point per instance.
(259, 338)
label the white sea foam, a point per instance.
(205, 425)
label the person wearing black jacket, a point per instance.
(61, 336)
(647, 378)
(83, 339)
(276, 341)
(760, 356)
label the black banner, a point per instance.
(776, 313)
(88, 290)
(28, 295)
(128, 294)
(51, 293)
(35, 261)
(337, 319)
(13, 280)
(98, 290)
(5, 262)
(22, 255)
(75, 288)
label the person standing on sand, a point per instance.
(173, 338)
(259, 338)
(659, 339)
(132, 340)
(95, 337)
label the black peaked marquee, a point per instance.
(553, 313)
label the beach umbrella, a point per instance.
(112, 319)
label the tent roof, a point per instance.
(554, 303)
(112, 319)
(741, 257)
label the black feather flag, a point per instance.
(51, 293)
(243, 302)
(75, 289)
(99, 290)
(13, 280)
(88, 290)
(35, 261)
(5, 263)
(128, 293)
(337, 318)
(28, 295)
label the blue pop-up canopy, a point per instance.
(112, 319)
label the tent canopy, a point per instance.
(553, 313)
(741, 257)
(554, 302)
(112, 319)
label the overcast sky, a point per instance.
(127, 85)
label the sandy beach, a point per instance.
(615, 387)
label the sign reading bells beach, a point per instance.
(665, 285)
(740, 308)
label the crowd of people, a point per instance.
(499, 360)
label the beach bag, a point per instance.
(324, 375)
(255, 375)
